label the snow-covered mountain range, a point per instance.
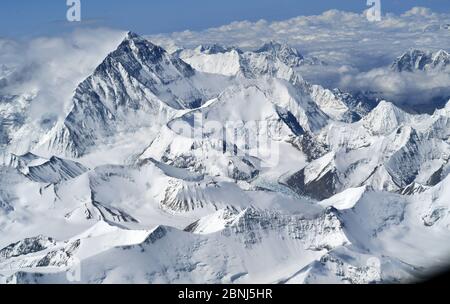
(418, 60)
(270, 59)
(119, 187)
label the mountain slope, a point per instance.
(271, 59)
(388, 150)
(138, 85)
(229, 168)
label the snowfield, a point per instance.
(119, 189)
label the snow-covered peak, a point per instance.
(386, 106)
(26, 246)
(447, 106)
(385, 118)
(271, 60)
(286, 54)
(132, 35)
(138, 85)
(441, 59)
(339, 105)
(419, 60)
(135, 54)
(28, 159)
(49, 171)
(213, 59)
(443, 113)
(411, 60)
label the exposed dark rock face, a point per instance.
(320, 189)
(26, 246)
(138, 79)
(55, 171)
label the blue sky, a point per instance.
(29, 18)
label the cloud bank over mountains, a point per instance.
(337, 36)
(52, 67)
(358, 53)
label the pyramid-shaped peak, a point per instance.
(385, 118)
(447, 105)
(388, 109)
(143, 49)
(386, 105)
(132, 37)
(441, 59)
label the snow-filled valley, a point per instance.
(312, 185)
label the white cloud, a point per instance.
(355, 49)
(405, 88)
(52, 67)
(358, 51)
(419, 11)
(357, 41)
